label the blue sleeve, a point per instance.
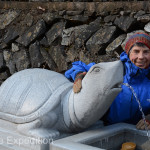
(77, 66)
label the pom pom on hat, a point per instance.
(138, 37)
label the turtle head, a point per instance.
(100, 86)
(103, 78)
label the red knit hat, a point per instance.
(138, 37)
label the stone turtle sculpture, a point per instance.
(41, 103)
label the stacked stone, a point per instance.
(53, 40)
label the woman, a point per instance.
(136, 60)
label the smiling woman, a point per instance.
(140, 55)
(136, 62)
(138, 49)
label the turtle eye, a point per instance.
(96, 69)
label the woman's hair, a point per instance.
(138, 44)
(137, 38)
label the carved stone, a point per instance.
(39, 103)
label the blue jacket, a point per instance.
(125, 107)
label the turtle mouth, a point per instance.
(117, 86)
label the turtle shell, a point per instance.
(31, 93)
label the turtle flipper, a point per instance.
(33, 129)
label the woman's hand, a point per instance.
(141, 126)
(78, 82)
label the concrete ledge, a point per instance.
(77, 6)
(121, 132)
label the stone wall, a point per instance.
(53, 35)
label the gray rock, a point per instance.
(147, 27)
(1, 60)
(139, 13)
(108, 24)
(84, 57)
(21, 60)
(121, 13)
(100, 38)
(14, 47)
(48, 59)
(1, 34)
(16, 61)
(124, 22)
(113, 47)
(114, 12)
(33, 33)
(28, 20)
(11, 35)
(125, 13)
(89, 13)
(72, 13)
(3, 45)
(8, 57)
(80, 34)
(68, 36)
(50, 17)
(109, 18)
(35, 55)
(104, 13)
(85, 33)
(91, 9)
(56, 52)
(58, 0)
(79, 18)
(62, 12)
(144, 18)
(132, 14)
(55, 32)
(72, 54)
(7, 18)
(44, 42)
(105, 58)
(3, 77)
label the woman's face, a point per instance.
(140, 56)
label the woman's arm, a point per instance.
(141, 125)
(77, 73)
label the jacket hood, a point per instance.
(132, 70)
